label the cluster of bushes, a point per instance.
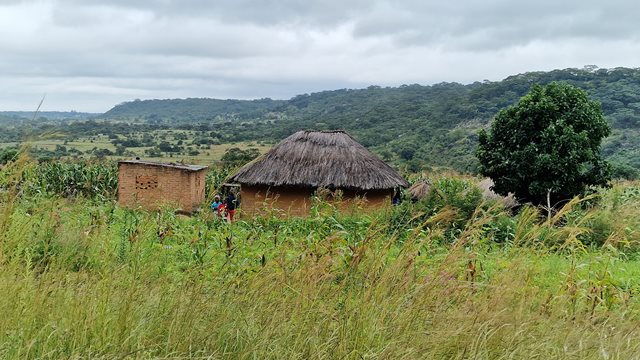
(8, 154)
(234, 156)
(162, 285)
(454, 205)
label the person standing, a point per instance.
(231, 203)
(216, 203)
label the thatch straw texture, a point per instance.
(486, 186)
(420, 189)
(331, 159)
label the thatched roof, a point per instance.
(331, 159)
(420, 189)
(486, 185)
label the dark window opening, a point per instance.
(145, 182)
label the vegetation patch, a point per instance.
(449, 276)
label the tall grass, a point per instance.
(86, 279)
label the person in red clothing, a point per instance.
(222, 210)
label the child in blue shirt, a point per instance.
(216, 204)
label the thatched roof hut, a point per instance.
(486, 185)
(308, 160)
(419, 189)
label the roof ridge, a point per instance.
(326, 131)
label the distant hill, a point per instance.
(190, 110)
(412, 125)
(49, 115)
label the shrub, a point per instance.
(600, 227)
(462, 195)
(7, 155)
(501, 229)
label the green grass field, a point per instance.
(209, 154)
(84, 278)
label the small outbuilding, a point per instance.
(287, 176)
(152, 185)
(419, 190)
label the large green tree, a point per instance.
(548, 142)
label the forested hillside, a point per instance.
(18, 116)
(190, 110)
(412, 125)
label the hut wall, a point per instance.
(259, 199)
(367, 200)
(153, 186)
(197, 187)
(297, 201)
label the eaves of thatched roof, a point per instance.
(331, 159)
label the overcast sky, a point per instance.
(88, 55)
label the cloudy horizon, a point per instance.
(89, 55)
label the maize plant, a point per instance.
(214, 180)
(90, 179)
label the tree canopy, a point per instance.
(411, 126)
(235, 156)
(548, 142)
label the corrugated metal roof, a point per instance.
(169, 165)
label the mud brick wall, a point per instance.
(291, 201)
(153, 186)
(197, 184)
(256, 200)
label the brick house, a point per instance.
(152, 185)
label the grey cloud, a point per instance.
(496, 24)
(90, 54)
(272, 12)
